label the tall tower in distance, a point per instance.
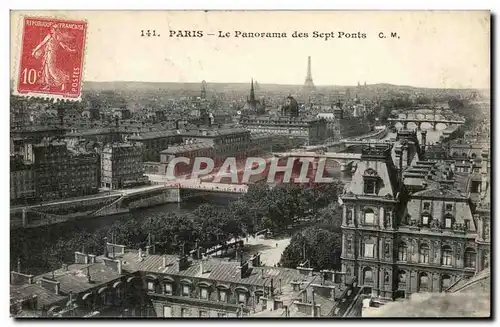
(309, 84)
(203, 94)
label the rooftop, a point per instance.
(440, 193)
(186, 147)
(215, 269)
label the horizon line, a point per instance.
(285, 84)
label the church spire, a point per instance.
(252, 92)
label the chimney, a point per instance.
(313, 312)
(423, 140)
(19, 265)
(408, 157)
(140, 255)
(64, 267)
(183, 262)
(106, 247)
(256, 260)
(89, 278)
(272, 286)
(201, 267)
(51, 285)
(91, 258)
(81, 258)
(164, 260)
(404, 151)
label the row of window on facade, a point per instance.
(464, 155)
(423, 280)
(426, 219)
(368, 251)
(186, 312)
(222, 295)
(446, 255)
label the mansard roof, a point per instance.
(446, 193)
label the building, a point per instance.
(22, 181)
(122, 165)
(291, 107)
(131, 283)
(226, 141)
(407, 144)
(254, 106)
(310, 130)
(190, 151)
(399, 240)
(33, 135)
(372, 205)
(61, 172)
(154, 142)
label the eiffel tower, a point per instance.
(309, 84)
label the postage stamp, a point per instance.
(50, 63)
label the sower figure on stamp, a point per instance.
(51, 75)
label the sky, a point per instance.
(443, 49)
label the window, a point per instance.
(424, 253)
(445, 282)
(349, 245)
(446, 259)
(449, 207)
(185, 290)
(370, 187)
(204, 293)
(151, 286)
(425, 220)
(386, 277)
(470, 258)
(369, 216)
(402, 276)
(387, 250)
(203, 314)
(423, 282)
(168, 288)
(242, 298)
(448, 221)
(222, 296)
(167, 311)
(427, 205)
(367, 275)
(184, 312)
(402, 251)
(349, 216)
(221, 315)
(467, 224)
(369, 247)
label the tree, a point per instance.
(322, 249)
(215, 225)
(330, 217)
(248, 216)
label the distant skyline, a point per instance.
(434, 49)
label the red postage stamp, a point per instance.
(51, 58)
